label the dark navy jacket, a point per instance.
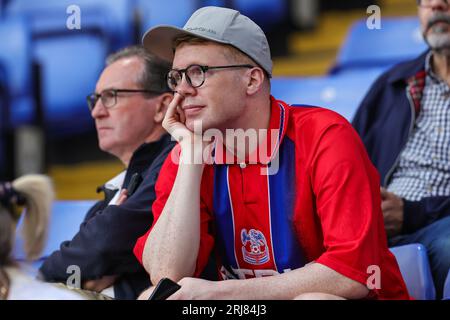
(104, 243)
(385, 120)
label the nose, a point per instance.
(99, 110)
(184, 88)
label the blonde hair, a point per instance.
(39, 195)
(37, 192)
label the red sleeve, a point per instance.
(349, 207)
(163, 187)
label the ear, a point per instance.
(256, 77)
(161, 106)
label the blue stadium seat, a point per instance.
(17, 106)
(157, 12)
(64, 224)
(340, 93)
(399, 39)
(16, 72)
(414, 266)
(71, 60)
(216, 3)
(112, 18)
(447, 287)
(264, 12)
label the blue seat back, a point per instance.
(70, 69)
(340, 93)
(17, 105)
(216, 3)
(447, 287)
(113, 18)
(264, 12)
(158, 12)
(415, 268)
(399, 39)
(72, 60)
(64, 224)
(16, 73)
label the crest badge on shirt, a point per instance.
(254, 247)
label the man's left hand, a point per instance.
(392, 207)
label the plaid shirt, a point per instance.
(423, 168)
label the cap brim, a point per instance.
(159, 40)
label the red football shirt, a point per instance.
(314, 197)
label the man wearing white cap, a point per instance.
(300, 204)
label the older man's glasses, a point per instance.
(429, 3)
(195, 74)
(109, 97)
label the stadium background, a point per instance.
(52, 131)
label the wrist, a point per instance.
(225, 289)
(193, 153)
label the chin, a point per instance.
(104, 146)
(438, 42)
(195, 125)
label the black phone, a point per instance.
(164, 289)
(135, 181)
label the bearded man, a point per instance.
(404, 122)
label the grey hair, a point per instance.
(39, 195)
(153, 76)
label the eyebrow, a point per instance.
(191, 64)
(106, 89)
(111, 89)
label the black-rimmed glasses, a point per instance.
(109, 97)
(195, 74)
(428, 3)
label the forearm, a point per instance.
(172, 246)
(312, 278)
